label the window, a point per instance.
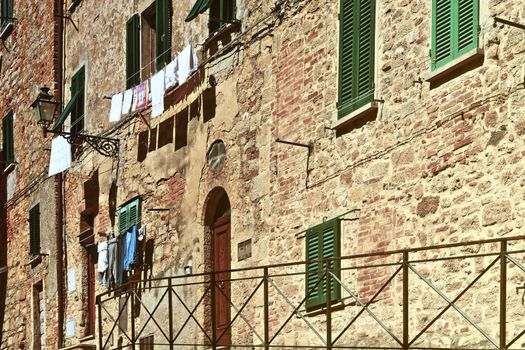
(6, 13)
(128, 215)
(454, 29)
(34, 230)
(8, 141)
(222, 12)
(77, 108)
(322, 242)
(356, 55)
(148, 42)
(146, 343)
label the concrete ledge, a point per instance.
(366, 109)
(456, 64)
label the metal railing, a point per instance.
(390, 300)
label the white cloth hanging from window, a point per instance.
(128, 99)
(157, 93)
(116, 107)
(60, 159)
(184, 64)
(171, 74)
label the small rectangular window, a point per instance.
(77, 111)
(8, 142)
(454, 29)
(322, 242)
(146, 343)
(34, 230)
(356, 55)
(222, 12)
(128, 215)
(133, 51)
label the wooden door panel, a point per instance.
(222, 262)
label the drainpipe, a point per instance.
(58, 180)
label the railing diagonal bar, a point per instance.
(453, 301)
(516, 262)
(152, 313)
(238, 313)
(364, 307)
(515, 339)
(121, 310)
(192, 312)
(296, 310)
(457, 308)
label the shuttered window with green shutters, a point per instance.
(8, 142)
(133, 51)
(6, 13)
(356, 54)
(128, 215)
(322, 242)
(77, 111)
(163, 34)
(454, 29)
(34, 230)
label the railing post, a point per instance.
(100, 332)
(266, 312)
(405, 302)
(170, 312)
(328, 306)
(213, 315)
(503, 297)
(132, 313)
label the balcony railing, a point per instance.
(455, 296)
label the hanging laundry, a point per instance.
(60, 159)
(119, 261)
(116, 107)
(112, 261)
(142, 233)
(171, 74)
(141, 96)
(157, 93)
(102, 250)
(184, 68)
(128, 99)
(129, 252)
(194, 62)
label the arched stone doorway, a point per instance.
(217, 222)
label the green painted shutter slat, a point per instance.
(356, 54)
(134, 212)
(199, 7)
(163, 34)
(128, 215)
(454, 29)
(65, 113)
(34, 230)
(467, 25)
(6, 13)
(8, 137)
(122, 220)
(322, 242)
(133, 51)
(77, 110)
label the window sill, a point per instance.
(455, 65)
(9, 168)
(6, 31)
(223, 35)
(366, 110)
(321, 310)
(34, 260)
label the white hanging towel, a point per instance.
(128, 99)
(171, 74)
(184, 64)
(60, 155)
(195, 62)
(157, 93)
(102, 250)
(116, 108)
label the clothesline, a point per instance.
(149, 64)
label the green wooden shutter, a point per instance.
(133, 51)
(322, 242)
(6, 13)
(356, 54)
(34, 230)
(128, 215)
(8, 137)
(454, 29)
(163, 33)
(77, 111)
(122, 219)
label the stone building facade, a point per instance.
(433, 156)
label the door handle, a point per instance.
(221, 284)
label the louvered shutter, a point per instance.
(356, 54)
(34, 230)
(77, 111)
(6, 13)
(122, 219)
(454, 29)
(163, 33)
(467, 26)
(128, 215)
(8, 137)
(133, 51)
(322, 242)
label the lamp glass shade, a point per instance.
(45, 110)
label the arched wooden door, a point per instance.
(222, 262)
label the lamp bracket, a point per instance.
(106, 146)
